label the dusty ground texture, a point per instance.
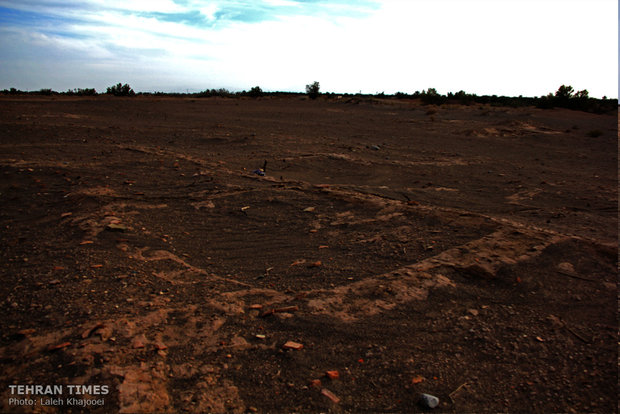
(465, 252)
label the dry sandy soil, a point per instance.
(465, 252)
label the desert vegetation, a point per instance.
(120, 90)
(564, 97)
(313, 90)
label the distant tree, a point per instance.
(313, 90)
(564, 92)
(120, 90)
(432, 97)
(82, 92)
(584, 94)
(255, 92)
(463, 97)
(207, 93)
(566, 97)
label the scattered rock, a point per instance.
(284, 310)
(87, 333)
(115, 227)
(330, 395)
(292, 345)
(139, 341)
(480, 270)
(567, 268)
(203, 204)
(429, 401)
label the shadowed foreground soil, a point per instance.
(465, 252)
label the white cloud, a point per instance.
(209, 11)
(510, 47)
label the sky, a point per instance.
(501, 47)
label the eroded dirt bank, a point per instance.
(465, 252)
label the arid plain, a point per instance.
(390, 249)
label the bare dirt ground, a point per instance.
(465, 252)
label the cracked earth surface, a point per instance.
(470, 254)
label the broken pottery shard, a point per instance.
(330, 395)
(58, 346)
(292, 345)
(316, 383)
(332, 374)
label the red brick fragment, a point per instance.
(332, 374)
